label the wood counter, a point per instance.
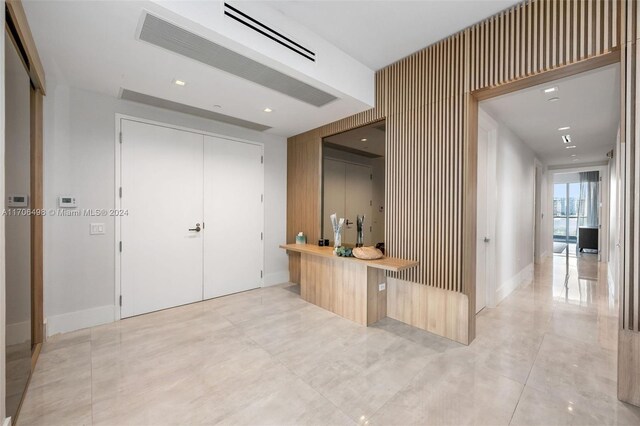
(346, 286)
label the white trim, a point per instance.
(525, 276)
(488, 124)
(118, 182)
(7, 421)
(276, 278)
(73, 321)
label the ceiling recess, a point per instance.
(133, 96)
(178, 40)
(268, 32)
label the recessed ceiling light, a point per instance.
(551, 89)
(574, 155)
(363, 140)
(267, 109)
(570, 147)
(566, 138)
(563, 128)
(180, 82)
(554, 99)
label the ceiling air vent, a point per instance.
(130, 95)
(272, 34)
(178, 40)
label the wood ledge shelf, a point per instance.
(392, 264)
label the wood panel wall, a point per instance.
(428, 100)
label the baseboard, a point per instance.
(7, 421)
(507, 287)
(275, 278)
(18, 333)
(72, 321)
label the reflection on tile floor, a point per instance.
(546, 355)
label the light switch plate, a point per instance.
(97, 229)
(382, 287)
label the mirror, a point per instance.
(353, 183)
(18, 227)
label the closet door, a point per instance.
(233, 216)
(162, 191)
(359, 192)
(334, 196)
(17, 229)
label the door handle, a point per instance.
(348, 222)
(197, 228)
(487, 239)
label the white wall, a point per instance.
(514, 213)
(615, 218)
(79, 159)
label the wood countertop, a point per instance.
(387, 263)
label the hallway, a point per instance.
(546, 355)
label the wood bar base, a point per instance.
(352, 288)
(348, 289)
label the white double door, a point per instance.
(195, 217)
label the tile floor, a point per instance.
(546, 355)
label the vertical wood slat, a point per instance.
(424, 99)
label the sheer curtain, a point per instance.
(589, 204)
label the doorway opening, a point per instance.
(577, 201)
(353, 185)
(546, 155)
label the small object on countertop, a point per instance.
(326, 242)
(367, 253)
(300, 238)
(344, 252)
(337, 230)
(321, 242)
(380, 246)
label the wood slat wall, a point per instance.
(629, 334)
(430, 169)
(630, 294)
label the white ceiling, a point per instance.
(589, 103)
(92, 45)
(378, 33)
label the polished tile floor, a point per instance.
(546, 355)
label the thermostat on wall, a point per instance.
(20, 200)
(67, 202)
